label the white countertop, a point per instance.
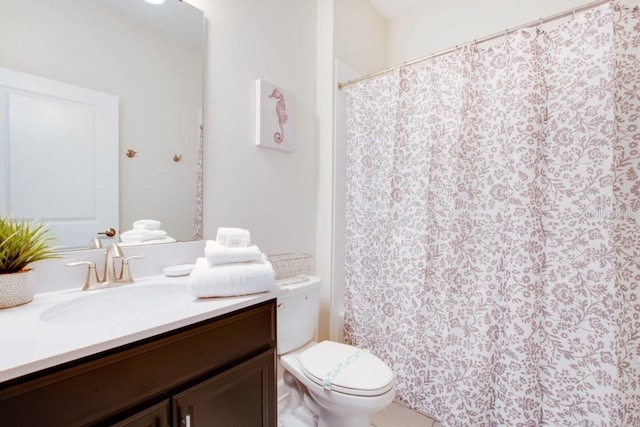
(29, 344)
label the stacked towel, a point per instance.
(229, 271)
(149, 242)
(147, 224)
(142, 235)
(217, 254)
(145, 231)
(231, 279)
(233, 237)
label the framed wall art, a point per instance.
(275, 116)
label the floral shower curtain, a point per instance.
(493, 227)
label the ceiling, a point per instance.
(175, 17)
(391, 9)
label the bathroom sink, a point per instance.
(124, 302)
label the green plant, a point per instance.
(23, 242)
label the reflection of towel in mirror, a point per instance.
(146, 224)
(142, 235)
(149, 242)
(217, 254)
(233, 237)
(231, 279)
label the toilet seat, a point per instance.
(346, 369)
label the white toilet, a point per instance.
(329, 384)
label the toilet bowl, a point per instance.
(330, 384)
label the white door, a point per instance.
(58, 156)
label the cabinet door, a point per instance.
(239, 397)
(155, 416)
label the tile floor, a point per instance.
(396, 415)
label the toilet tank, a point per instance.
(297, 313)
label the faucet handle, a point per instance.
(125, 274)
(92, 275)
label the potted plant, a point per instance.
(21, 243)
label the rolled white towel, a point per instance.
(217, 254)
(147, 224)
(231, 279)
(233, 237)
(142, 235)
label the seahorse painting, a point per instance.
(281, 111)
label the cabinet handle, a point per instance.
(187, 421)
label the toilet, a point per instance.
(330, 384)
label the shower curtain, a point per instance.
(493, 227)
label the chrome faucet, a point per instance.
(109, 276)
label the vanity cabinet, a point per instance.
(216, 372)
(234, 398)
(156, 416)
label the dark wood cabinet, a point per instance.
(238, 397)
(155, 416)
(222, 368)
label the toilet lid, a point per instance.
(346, 369)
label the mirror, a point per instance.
(151, 58)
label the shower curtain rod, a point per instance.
(481, 40)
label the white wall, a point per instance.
(286, 200)
(445, 23)
(360, 36)
(77, 42)
(269, 192)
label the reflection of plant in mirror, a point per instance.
(23, 242)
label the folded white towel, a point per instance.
(231, 279)
(217, 254)
(146, 224)
(142, 235)
(233, 237)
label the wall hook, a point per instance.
(177, 157)
(131, 153)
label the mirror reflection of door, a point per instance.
(151, 58)
(42, 121)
